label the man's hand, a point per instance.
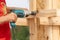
(12, 17)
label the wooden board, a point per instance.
(56, 20)
(32, 5)
(47, 13)
(32, 28)
(21, 21)
(44, 21)
(55, 31)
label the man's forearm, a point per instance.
(8, 17)
(3, 19)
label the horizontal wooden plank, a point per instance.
(44, 21)
(21, 21)
(46, 13)
(56, 20)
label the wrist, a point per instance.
(7, 18)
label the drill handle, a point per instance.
(13, 24)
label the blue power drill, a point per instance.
(21, 14)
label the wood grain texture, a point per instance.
(32, 28)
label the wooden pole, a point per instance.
(32, 4)
(32, 28)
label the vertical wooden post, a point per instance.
(32, 28)
(40, 30)
(58, 4)
(55, 28)
(40, 4)
(32, 5)
(49, 4)
(50, 29)
(44, 4)
(55, 33)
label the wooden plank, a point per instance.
(40, 29)
(47, 13)
(46, 32)
(21, 21)
(58, 4)
(49, 32)
(32, 28)
(59, 32)
(41, 4)
(55, 33)
(32, 5)
(55, 4)
(58, 12)
(49, 4)
(41, 33)
(44, 20)
(44, 4)
(56, 20)
(50, 29)
(55, 28)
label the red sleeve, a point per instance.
(2, 1)
(2, 7)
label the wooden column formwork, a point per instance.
(49, 29)
(41, 29)
(44, 27)
(32, 27)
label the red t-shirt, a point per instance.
(4, 27)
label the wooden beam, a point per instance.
(21, 21)
(44, 20)
(49, 4)
(56, 20)
(32, 4)
(32, 28)
(55, 35)
(47, 13)
(40, 30)
(55, 4)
